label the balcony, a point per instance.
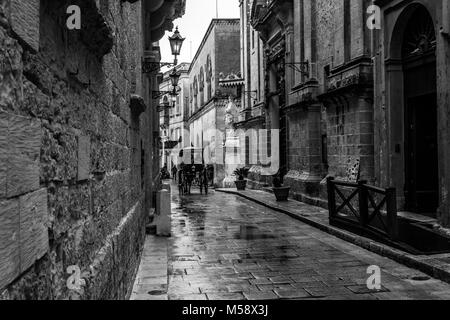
(163, 12)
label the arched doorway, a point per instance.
(420, 113)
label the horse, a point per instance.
(185, 178)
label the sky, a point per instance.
(194, 24)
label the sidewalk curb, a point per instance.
(425, 264)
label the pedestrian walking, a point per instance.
(174, 173)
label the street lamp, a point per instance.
(175, 77)
(173, 93)
(176, 42)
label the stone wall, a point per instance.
(70, 162)
(335, 97)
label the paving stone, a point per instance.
(361, 289)
(184, 290)
(271, 287)
(242, 288)
(230, 257)
(326, 291)
(213, 289)
(149, 297)
(209, 257)
(152, 281)
(309, 284)
(225, 296)
(281, 280)
(292, 294)
(260, 281)
(260, 296)
(188, 297)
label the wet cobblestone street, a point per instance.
(225, 247)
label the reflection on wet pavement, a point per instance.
(225, 247)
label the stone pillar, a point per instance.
(305, 172)
(274, 105)
(290, 58)
(395, 130)
(443, 101)
(364, 127)
(163, 219)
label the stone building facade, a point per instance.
(253, 112)
(411, 109)
(343, 94)
(173, 110)
(77, 151)
(319, 89)
(216, 58)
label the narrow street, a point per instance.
(225, 247)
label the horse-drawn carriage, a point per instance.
(192, 171)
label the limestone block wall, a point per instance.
(333, 35)
(70, 174)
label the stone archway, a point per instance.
(412, 95)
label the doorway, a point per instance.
(421, 135)
(422, 157)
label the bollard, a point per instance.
(166, 187)
(163, 219)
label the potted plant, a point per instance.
(281, 192)
(241, 174)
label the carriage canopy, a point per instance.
(191, 156)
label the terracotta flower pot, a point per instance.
(241, 184)
(281, 193)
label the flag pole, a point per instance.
(217, 9)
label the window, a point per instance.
(201, 84)
(178, 105)
(253, 39)
(208, 78)
(195, 88)
(347, 31)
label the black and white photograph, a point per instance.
(248, 152)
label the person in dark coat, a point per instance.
(174, 173)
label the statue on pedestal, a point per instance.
(231, 145)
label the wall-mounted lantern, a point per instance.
(175, 78)
(176, 42)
